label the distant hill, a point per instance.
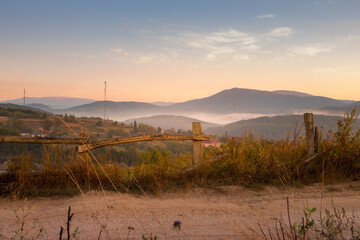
(115, 110)
(52, 102)
(230, 102)
(238, 100)
(170, 121)
(40, 106)
(292, 93)
(277, 127)
(342, 109)
(21, 107)
(162, 104)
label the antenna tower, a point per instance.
(105, 101)
(24, 96)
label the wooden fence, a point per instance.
(84, 146)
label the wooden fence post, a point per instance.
(309, 133)
(198, 147)
(316, 139)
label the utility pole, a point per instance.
(105, 101)
(24, 96)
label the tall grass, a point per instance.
(243, 161)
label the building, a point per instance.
(211, 143)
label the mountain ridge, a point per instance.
(171, 121)
(229, 101)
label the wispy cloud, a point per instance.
(280, 32)
(140, 57)
(220, 43)
(310, 49)
(119, 50)
(265, 16)
(350, 38)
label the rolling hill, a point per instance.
(292, 93)
(227, 104)
(170, 121)
(277, 127)
(238, 100)
(115, 110)
(342, 109)
(52, 102)
(21, 107)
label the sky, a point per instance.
(178, 50)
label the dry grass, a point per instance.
(245, 161)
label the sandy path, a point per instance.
(224, 213)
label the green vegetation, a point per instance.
(10, 111)
(331, 224)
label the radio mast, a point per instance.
(105, 101)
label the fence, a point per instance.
(84, 146)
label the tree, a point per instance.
(46, 124)
(136, 130)
(15, 124)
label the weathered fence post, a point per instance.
(316, 139)
(198, 147)
(309, 133)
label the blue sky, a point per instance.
(178, 50)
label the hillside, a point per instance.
(52, 102)
(170, 121)
(232, 101)
(115, 110)
(293, 93)
(341, 109)
(277, 127)
(40, 106)
(238, 100)
(19, 107)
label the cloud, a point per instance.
(350, 38)
(242, 57)
(221, 43)
(280, 32)
(310, 49)
(140, 57)
(149, 58)
(265, 16)
(119, 50)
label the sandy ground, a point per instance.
(221, 213)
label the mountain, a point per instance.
(226, 106)
(40, 106)
(162, 104)
(52, 102)
(292, 93)
(341, 109)
(21, 107)
(238, 100)
(171, 121)
(114, 110)
(277, 127)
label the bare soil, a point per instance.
(216, 213)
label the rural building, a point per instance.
(211, 143)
